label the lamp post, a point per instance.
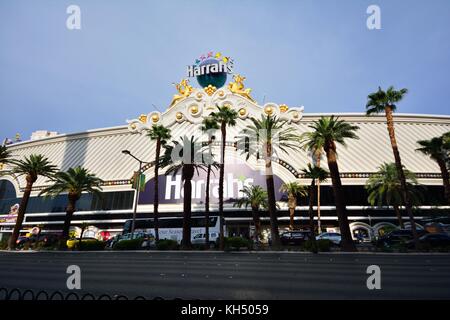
(137, 190)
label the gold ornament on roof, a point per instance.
(238, 87)
(184, 89)
(284, 108)
(155, 118)
(268, 110)
(194, 109)
(179, 116)
(242, 112)
(143, 118)
(210, 89)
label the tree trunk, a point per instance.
(399, 216)
(80, 241)
(257, 223)
(271, 199)
(187, 207)
(223, 130)
(401, 173)
(312, 234)
(67, 220)
(445, 178)
(156, 195)
(347, 243)
(319, 227)
(292, 203)
(21, 213)
(208, 179)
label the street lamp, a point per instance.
(136, 192)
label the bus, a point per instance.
(172, 228)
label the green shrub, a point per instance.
(235, 243)
(132, 244)
(91, 245)
(4, 244)
(323, 245)
(167, 244)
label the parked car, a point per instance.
(397, 236)
(332, 236)
(200, 238)
(432, 240)
(294, 237)
(148, 238)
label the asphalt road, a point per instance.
(231, 275)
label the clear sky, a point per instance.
(318, 54)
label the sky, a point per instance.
(124, 59)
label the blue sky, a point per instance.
(125, 58)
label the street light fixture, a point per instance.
(137, 190)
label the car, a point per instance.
(200, 238)
(332, 236)
(432, 240)
(397, 236)
(294, 237)
(148, 238)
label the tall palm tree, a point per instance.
(267, 138)
(326, 133)
(256, 198)
(225, 117)
(316, 174)
(209, 126)
(385, 187)
(4, 156)
(186, 156)
(73, 182)
(385, 101)
(160, 134)
(435, 148)
(293, 190)
(32, 167)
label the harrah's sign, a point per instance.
(236, 178)
(210, 63)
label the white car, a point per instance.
(200, 238)
(332, 236)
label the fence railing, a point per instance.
(27, 294)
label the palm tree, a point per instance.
(317, 175)
(161, 134)
(32, 167)
(185, 156)
(435, 148)
(4, 154)
(294, 190)
(209, 125)
(385, 187)
(267, 137)
(224, 116)
(385, 101)
(256, 198)
(327, 132)
(73, 182)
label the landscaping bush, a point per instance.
(4, 244)
(91, 245)
(167, 244)
(235, 243)
(132, 244)
(323, 245)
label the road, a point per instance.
(213, 275)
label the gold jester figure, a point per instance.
(238, 87)
(184, 89)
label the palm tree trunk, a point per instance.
(223, 130)
(21, 213)
(67, 220)
(312, 188)
(347, 241)
(445, 178)
(399, 216)
(291, 218)
(401, 173)
(208, 178)
(186, 242)
(319, 227)
(271, 199)
(257, 223)
(156, 191)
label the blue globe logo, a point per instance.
(216, 79)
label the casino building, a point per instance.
(100, 151)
